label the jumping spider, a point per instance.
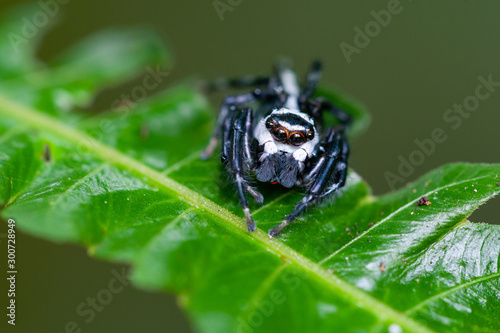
(274, 134)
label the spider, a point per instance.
(274, 134)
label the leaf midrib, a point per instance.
(106, 153)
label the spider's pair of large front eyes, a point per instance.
(295, 138)
(281, 134)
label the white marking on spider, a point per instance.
(291, 87)
(271, 146)
(284, 111)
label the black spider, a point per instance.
(281, 140)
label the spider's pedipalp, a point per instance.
(290, 171)
(266, 172)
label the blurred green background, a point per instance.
(426, 59)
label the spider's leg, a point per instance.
(234, 83)
(312, 79)
(318, 105)
(327, 176)
(263, 95)
(248, 154)
(223, 114)
(246, 148)
(239, 159)
(227, 134)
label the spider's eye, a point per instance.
(310, 135)
(297, 139)
(270, 124)
(280, 134)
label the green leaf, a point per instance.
(74, 78)
(129, 186)
(19, 39)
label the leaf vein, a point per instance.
(113, 156)
(451, 290)
(412, 202)
(79, 182)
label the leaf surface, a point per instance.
(130, 187)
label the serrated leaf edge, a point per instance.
(350, 293)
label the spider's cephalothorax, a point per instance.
(281, 141)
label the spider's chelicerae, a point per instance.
(274, 134)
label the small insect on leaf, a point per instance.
(423, 201)
(47, 154)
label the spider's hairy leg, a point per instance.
(227, 146)
(234, 83)
(313, 76)
(248, 155)
(318, 105)
(239, 158)
(325, 178)
(257, 196)
(223, 115)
